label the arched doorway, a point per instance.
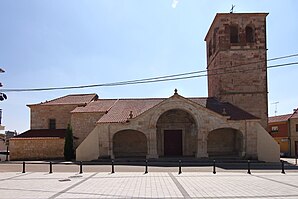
(225, 142)
(176, 134)
(129, 143)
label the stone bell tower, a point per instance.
(236, 61)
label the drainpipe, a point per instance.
(289, 128)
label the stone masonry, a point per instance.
(36, 148)
(41, 114)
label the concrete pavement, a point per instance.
(151, 185)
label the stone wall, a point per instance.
(40, 115)
(36, 148)
(82, 124)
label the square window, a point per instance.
(296, 127)
(274, 129)
(52, 124)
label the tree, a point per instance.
(68, 145)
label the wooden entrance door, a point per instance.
(173, 142)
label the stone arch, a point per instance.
(234, 33)
(129, 143)
(225, 142)
(184, 106)
(177, 132)
(249, 34)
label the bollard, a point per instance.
(214, 171)
(179, 172)
(248, 167)
(296, 160)
(113, 170)
(51, 169)
(6, 159)
(24, 168)
(81, 167)
(146, 166)
(283, 167)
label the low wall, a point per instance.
(36, 148)
(268, 148)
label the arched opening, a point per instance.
(249, 32)
(234, 37)
(225, 142)
(129, 143)
(176, 134)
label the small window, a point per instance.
(274, 129)
(296, 127)
(52, 124)
(249, 32)
(234, 38)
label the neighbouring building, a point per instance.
(284, 129)
(230, 122)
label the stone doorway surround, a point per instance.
(181, 123)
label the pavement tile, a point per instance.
(152, 185)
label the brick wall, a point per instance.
(36, 148)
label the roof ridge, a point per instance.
(280, 115)
(47, 101)
(80, 94)
(112, 106)
(132, 99)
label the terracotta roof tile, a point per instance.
(282, 118)
(78, 99)
(120, 111)
(101, 105)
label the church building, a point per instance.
(230, 122)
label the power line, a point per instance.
(188, 75)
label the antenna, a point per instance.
(275, 103)
(232, 9)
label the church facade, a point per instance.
(230, 122)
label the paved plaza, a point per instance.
(151, 185)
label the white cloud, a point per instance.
(174, 3)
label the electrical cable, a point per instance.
(156, 79)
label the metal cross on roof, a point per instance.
(232, 9)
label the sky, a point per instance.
(51, 43)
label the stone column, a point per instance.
(152, 144)
(111, 152)
(202, 144)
